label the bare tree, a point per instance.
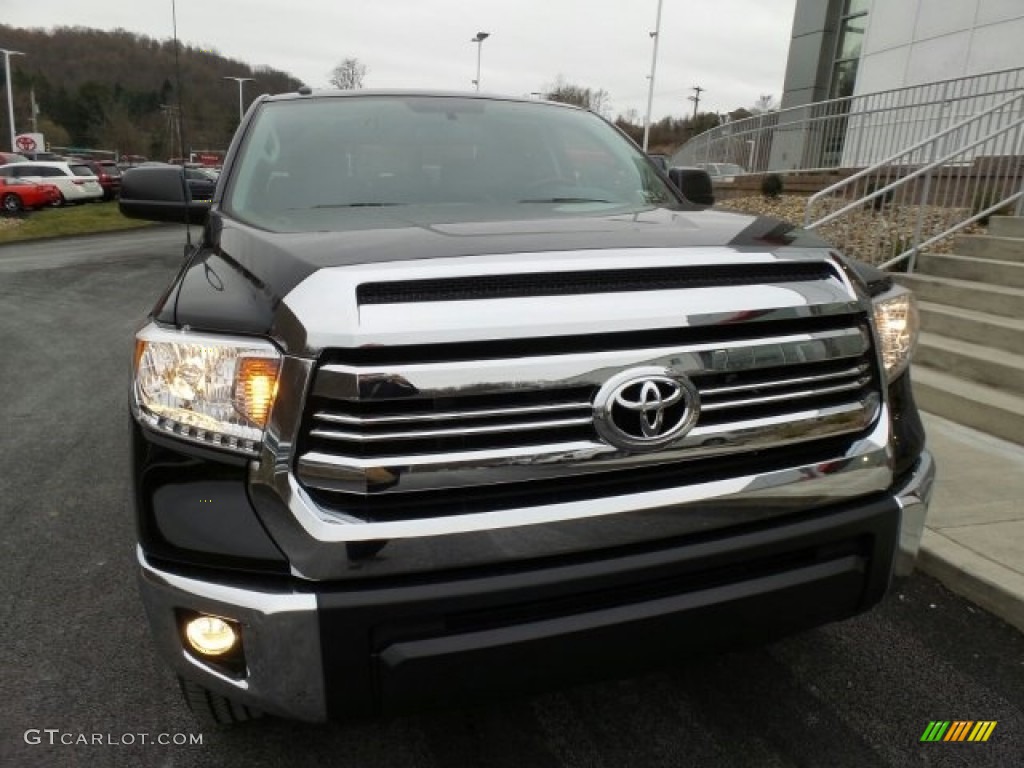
(348, 75)
(569, 93)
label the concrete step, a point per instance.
(1000, 333)
(1006, 226)
(995, 299)
(993, 368)
(974, 405)
(976, 269)
(990, 247)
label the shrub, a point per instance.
(771, 185)
(880, 202)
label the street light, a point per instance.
(10, 99)
(479, 40)
(240, 81)
(650, 87)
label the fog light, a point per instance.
(211, 636)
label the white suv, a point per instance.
(76, 181)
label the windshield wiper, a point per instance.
(356, 205)
(566, 200)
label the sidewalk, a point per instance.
(974, 542)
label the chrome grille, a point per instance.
(397, 428)
(410, 428)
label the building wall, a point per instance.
(911, 42)
(907, 44)
(810, 52)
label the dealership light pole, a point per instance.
(240, 81)
(479, 40)
(10, 98)
(650, 86)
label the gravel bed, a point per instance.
(873, 236)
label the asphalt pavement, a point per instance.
(83, 687)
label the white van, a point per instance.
(76, 181)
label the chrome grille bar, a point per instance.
(452, 432)
(788, 396)
(463, 469)
(769, 383)
(523, 410)
(552, 372)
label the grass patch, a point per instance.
(66, 222)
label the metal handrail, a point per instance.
(914, 205)
(920, 171)
(845, 132)
(1017, 197)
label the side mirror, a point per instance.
(694, 183)
(160, 193)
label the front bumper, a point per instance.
(333, 650)
(914, 495)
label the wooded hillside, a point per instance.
(116, 90)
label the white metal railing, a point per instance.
(922, 194)
(851, 132)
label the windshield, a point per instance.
(302, 160)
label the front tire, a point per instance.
(212, 709)
(11, 203)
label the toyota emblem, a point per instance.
(644, 409)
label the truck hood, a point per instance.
(239, 276)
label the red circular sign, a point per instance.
(26, 143)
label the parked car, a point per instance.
(201, 183)
(75, 181)
(457, 395)
(45, 157)
(723, 171)
(24, 195)
(125, 162)
(11, 157)
(108, 174)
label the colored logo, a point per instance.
(958, 730)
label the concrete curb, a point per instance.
(992, 586)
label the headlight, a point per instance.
(214, 390)
(897, 325)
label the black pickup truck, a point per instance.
(459, 395)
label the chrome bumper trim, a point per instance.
(864, 469)
(913, 497)
(280, 635)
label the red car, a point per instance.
(108, 174)
(19, 195)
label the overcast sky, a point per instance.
(735, 49)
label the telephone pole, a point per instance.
(697, 91)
